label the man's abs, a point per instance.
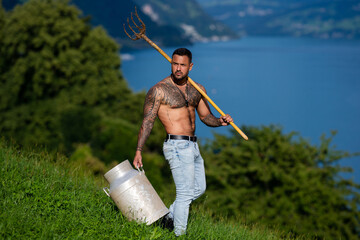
(178, 121)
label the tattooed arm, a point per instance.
(211, 121)
(151, 108)
(207, 117)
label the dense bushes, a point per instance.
(51, 63)
(282, 180)
(61, 83)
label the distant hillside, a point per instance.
(112, 14)
(317, 18)
(189, 16)
(167, 23)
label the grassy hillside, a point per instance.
(42, 198)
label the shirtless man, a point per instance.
(174, 101)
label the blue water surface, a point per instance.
(311, 86)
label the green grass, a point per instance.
(42, 198)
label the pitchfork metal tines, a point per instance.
(141, 29)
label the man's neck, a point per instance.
(179, 82)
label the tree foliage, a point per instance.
(62, 85)
(282, 180)
(2, 15)
(51, 60)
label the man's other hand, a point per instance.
(137, 160)
(226, 120)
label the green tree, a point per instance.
(51, 60)
(283, 181)
(2, 15)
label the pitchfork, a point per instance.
(141, 34)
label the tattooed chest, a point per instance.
(176, 99)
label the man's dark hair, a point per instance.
(183, 52)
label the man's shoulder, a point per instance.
(159, 88)
(161, 84)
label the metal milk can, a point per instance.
(133, 194)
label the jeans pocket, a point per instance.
(182, 144)
(168, 151)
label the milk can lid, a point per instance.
(118, 171)
(118, 181)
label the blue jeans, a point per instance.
(187, 168)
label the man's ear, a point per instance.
(191, 65)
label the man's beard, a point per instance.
(179, 79)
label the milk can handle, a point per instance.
(106, 190)
(142, 169)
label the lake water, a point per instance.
(310, 86)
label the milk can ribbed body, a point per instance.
(133, 194)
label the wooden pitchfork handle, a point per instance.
(141, 34)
